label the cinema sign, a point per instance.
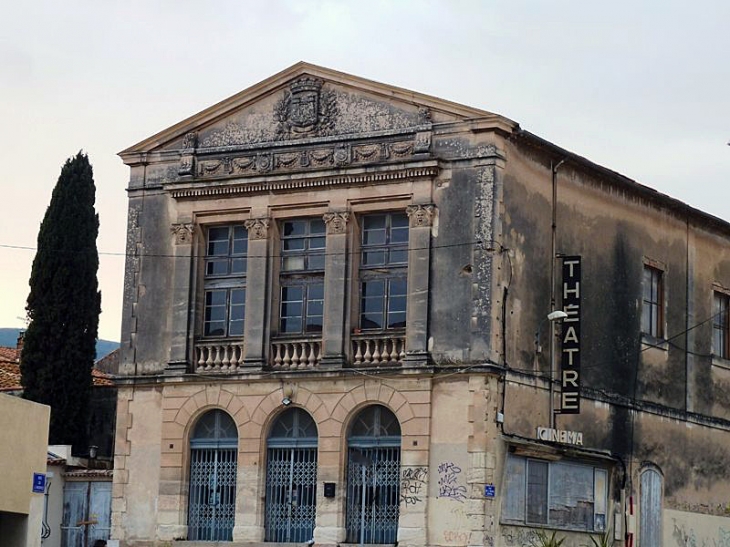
(560, 436)
(570, 351)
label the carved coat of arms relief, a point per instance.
(305, 110)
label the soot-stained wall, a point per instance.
(644, 400)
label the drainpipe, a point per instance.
(553, 252)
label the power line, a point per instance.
(273, 255)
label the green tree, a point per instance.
(63, 306)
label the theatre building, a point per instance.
(359, 314)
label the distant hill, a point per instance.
(9, 338)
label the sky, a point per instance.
(640, 87)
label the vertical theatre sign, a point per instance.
(570, 360)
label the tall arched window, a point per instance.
(650, 516)
(291, 478)
(212, 502)
(373, 476)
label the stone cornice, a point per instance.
(307, 181)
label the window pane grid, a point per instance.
(302, 308)
(652, 306)
(383, 263)
(384, 240)
(225, 272)
(383, 303)
(303, 245)
(225, 311)
(226, 251)
(720, 325)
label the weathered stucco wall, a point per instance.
(644, 401)
(443, 468)
(682, 529)
(23, 446)
(137, 464)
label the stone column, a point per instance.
(419, 264)
(255, 332)
(180, 327)
(335, 291)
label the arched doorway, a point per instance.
(291, 478)
(373, 476)
(212, 501)
(650, 516)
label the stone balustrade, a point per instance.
(295, 354)
(225, 356)
(377, 349)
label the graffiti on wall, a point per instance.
(687, 537)
(519, 537)
(448, 485)
(456, 532)
(413, 485)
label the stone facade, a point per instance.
(330, 245)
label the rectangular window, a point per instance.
(383, 271)
(562, 494)
(225, 281)
(720, 325)
(652, 310)
(301, 308)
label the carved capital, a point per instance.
(420, 215)
(183, 233)
(258, 228)
(336, 222)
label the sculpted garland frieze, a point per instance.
(337, 155)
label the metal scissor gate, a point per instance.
(291, 478)
(213, 456)
(373, 477)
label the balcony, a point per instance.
(218, 356)
(296, 354)
(378, 349)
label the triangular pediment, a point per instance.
(309, 102)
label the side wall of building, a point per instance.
(23, 446)
(645, 400)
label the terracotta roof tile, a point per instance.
(9, 376)
(10, 372)
(9, 355)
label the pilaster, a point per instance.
(182, 252)
(255, 332)
(335, 290)
(419, 265)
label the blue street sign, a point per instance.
(39, 483)
(489, 490)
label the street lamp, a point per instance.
(553, 317)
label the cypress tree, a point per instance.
(64, 305)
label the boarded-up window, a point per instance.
(514, 503)
(537, 492)
(650, 530)
(562, 494)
